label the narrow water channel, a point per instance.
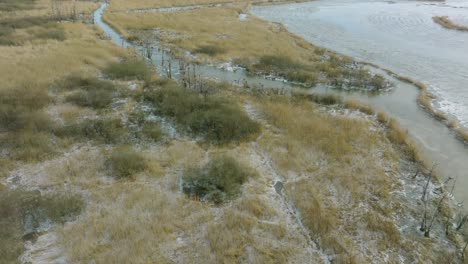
(438, 143)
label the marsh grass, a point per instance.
(220, 121)
(125, 163)
(338, 152)
(20, 108)
(129, 69)
(449, 24)
(285, 67)
(21, 212)
(90, 92)
(152, 131)
(218, 181)
(26, 124)
(15, 5)
(18, 31)
(211, 50)
(107, 130)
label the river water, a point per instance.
(319, 23)
(400, 36)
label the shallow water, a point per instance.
(213, 72)
(400, 36)
(436, 140)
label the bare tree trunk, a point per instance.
(424, 198)
(437, 210)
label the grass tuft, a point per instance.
(124, 162)
(104, 130)
(220, 180)
(211, 50)
(129, 70)
(89, 92)
(449, 24)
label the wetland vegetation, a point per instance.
(103, 159)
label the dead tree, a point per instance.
(424, 199)
(436, 213)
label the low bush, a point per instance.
(129, 69)
(219, 180)
(22, 212)
(285, 67)
(124, 162)
(152, 131)
(218, 120)
(105, 130)
(29, 146)
(211, 50)
(89, 92)
(20, 108)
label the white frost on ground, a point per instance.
(44, 251)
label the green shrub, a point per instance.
(124, 162)
(89, 92)
(106, 130)
(152, 131)
(30, 146)
(129, 69)
(219, 180)
(211, 50)
(19, 107)
(21, 212)
(218, 120)
(93, 98)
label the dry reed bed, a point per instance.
(449, 24)
(121, 5)
(340, 181)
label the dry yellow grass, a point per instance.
(122, 5)
(334, 171)
(220, 27)
(52, 60)
(447, 23)
(334, 166)
(44, 8)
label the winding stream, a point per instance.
(438, 143)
